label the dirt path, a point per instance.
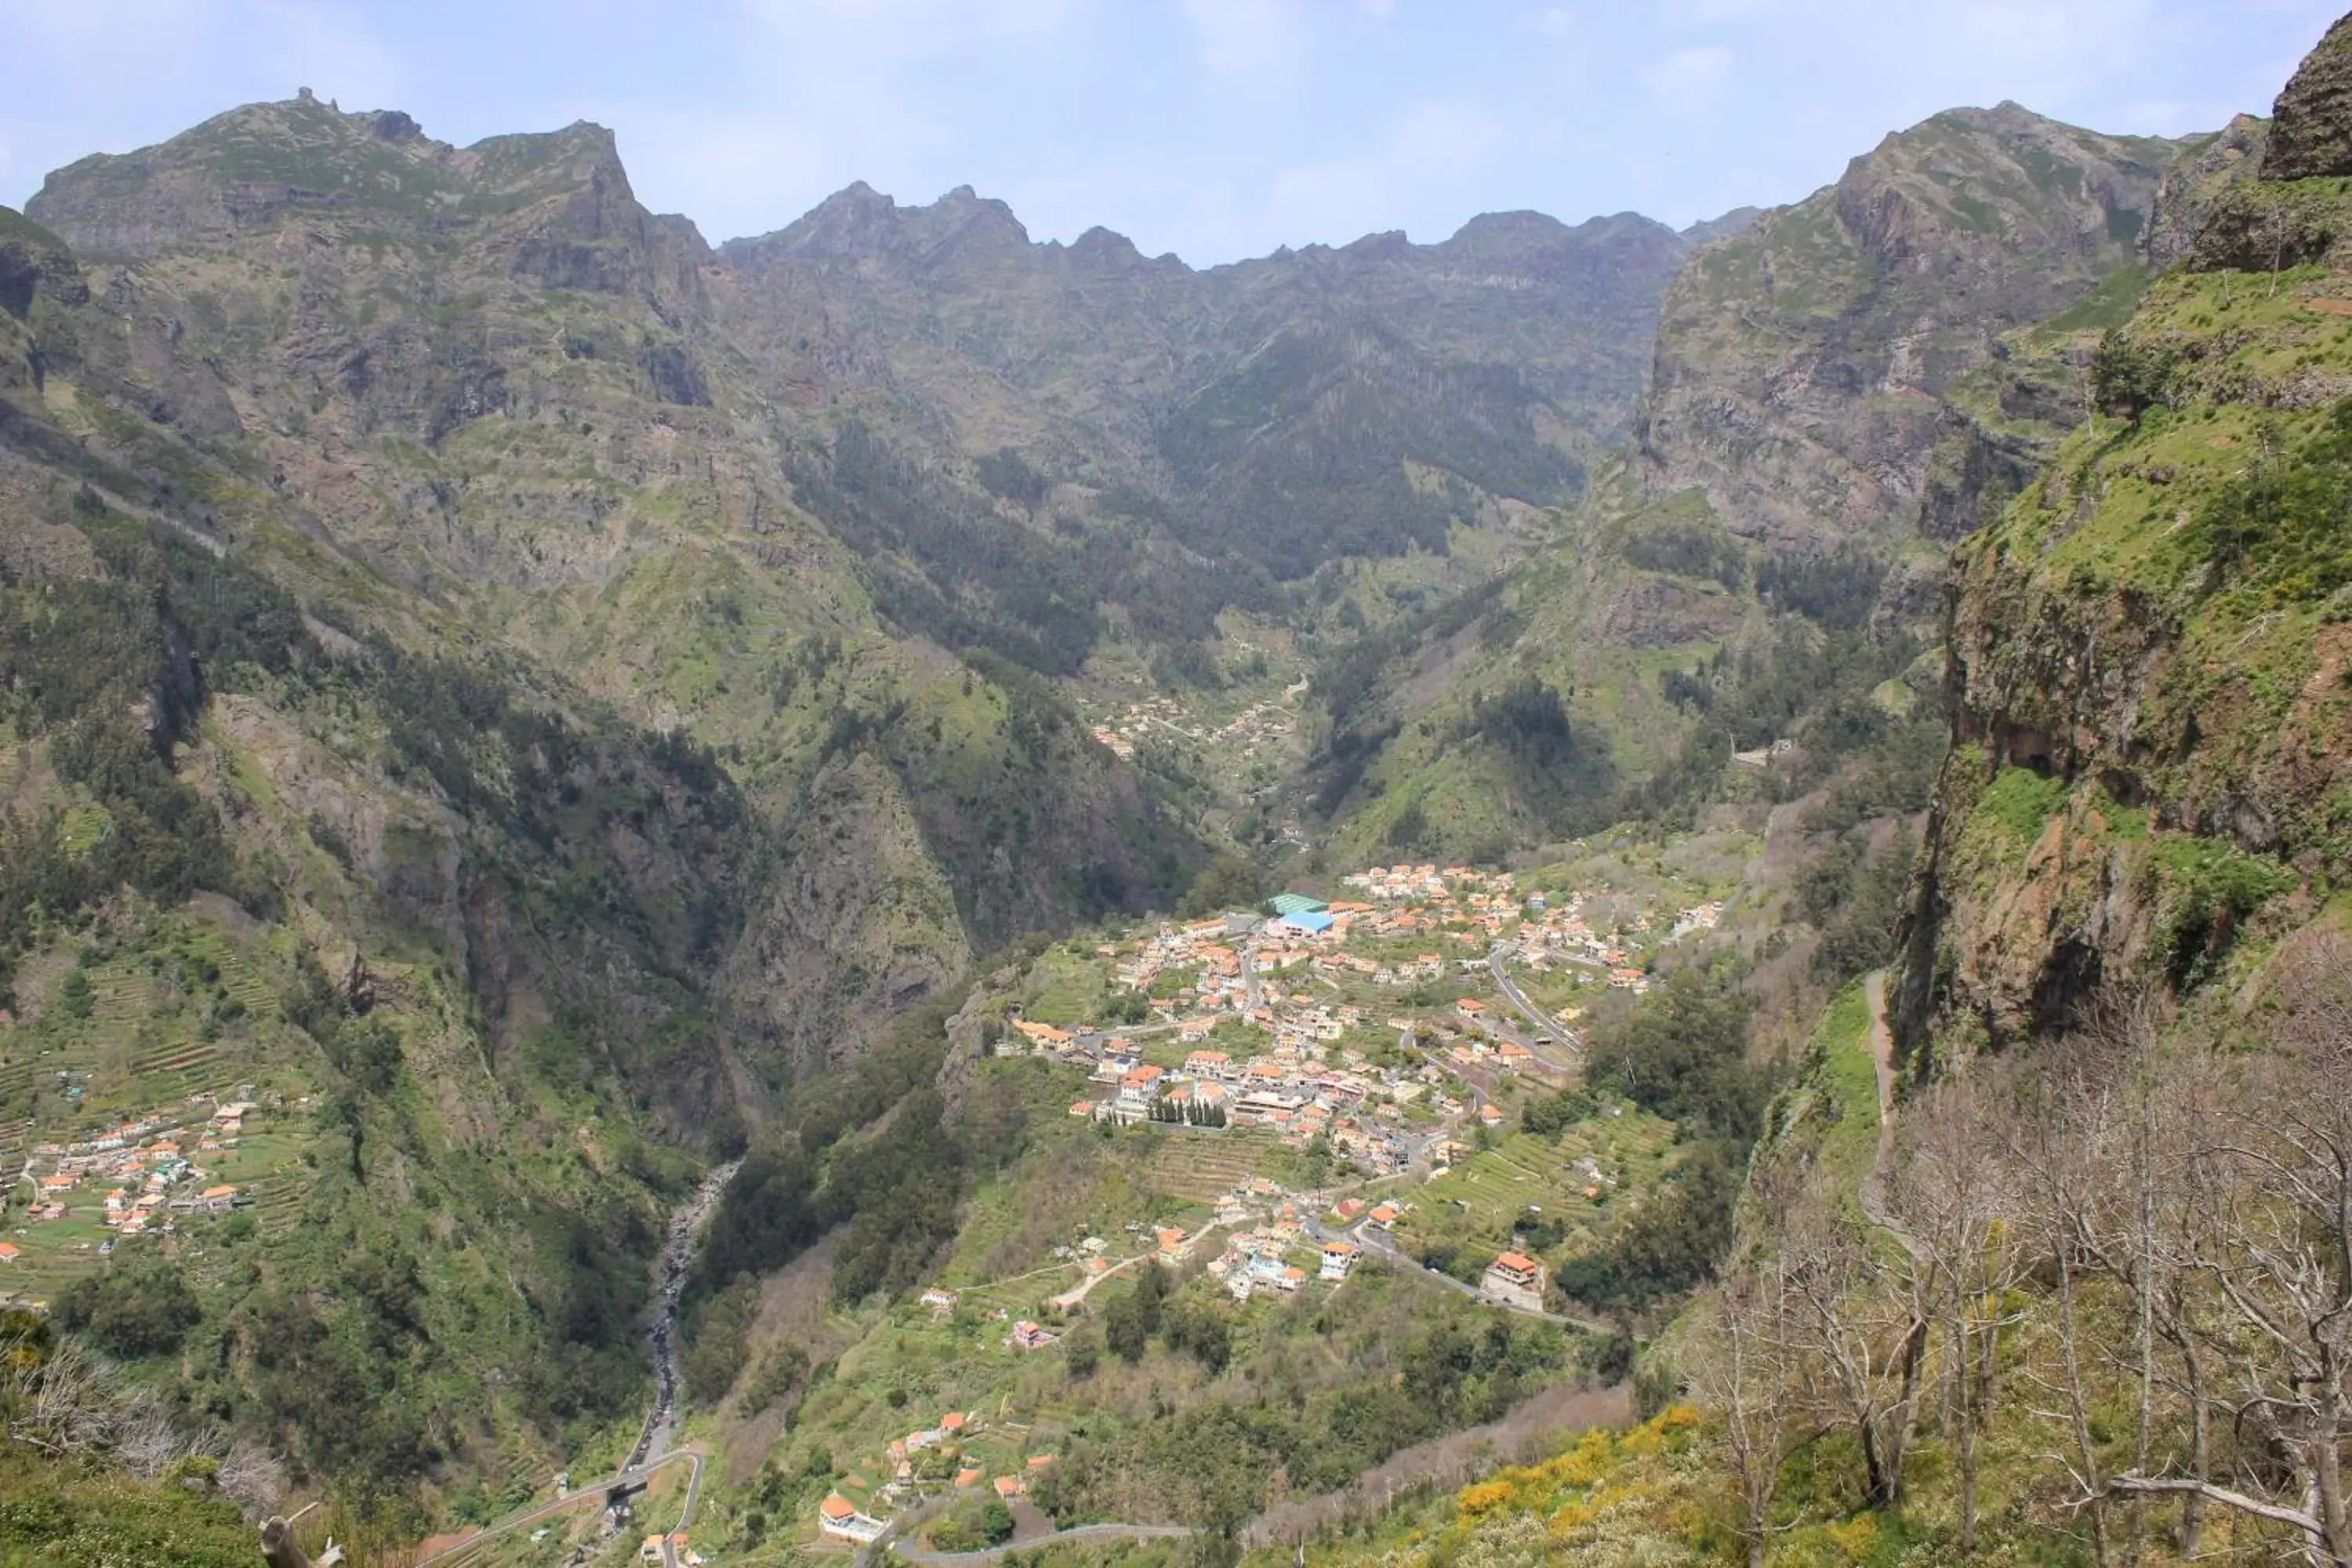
(1872, 1196)
(1077, 1292)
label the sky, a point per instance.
(1215, 129)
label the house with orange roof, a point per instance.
(1514, 1280)
(1385, 1215)
(1009, 1487)
(837, 1516)
(10, 1252)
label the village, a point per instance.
(134, 1178)
(1374, 1032)
(1279, 1022)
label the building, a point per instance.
(1028, 1336)
(837, 1516)
(1338, 1256)
(1514, 1280)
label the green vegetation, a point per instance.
(2019, 800)
(1682, 1055)
(131, 1310)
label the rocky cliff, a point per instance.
(2150, 674)
(1840, 389)
(1802, 367)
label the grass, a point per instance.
(1837, 1098)
(2019, 801)
(1481, 1202)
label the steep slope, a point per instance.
(1840, 387)
(513, 695)
(2147, 654)
(2104, 1158)
(492, 384)
(1802, 367)
(1271, 404)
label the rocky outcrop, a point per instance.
(2310, 126)
(1803, 366)
(2194, 186)
(2149, 656)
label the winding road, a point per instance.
(1076, 1533)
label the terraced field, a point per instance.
(1482, 1198)
(1202, 1167)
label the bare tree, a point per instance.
(1857, 1310)
(2061, 1145)
(1752, 1371)
(1953, 1199)
(2277, 1174)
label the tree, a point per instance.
(2275, 1172)
(1856, 1313)
(1228, 881)
(1753, 1373)
(130, 1312)
(1952, 1197)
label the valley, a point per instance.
(1585, 892)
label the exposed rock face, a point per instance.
(2194, 186)
(1802, 366)
(2311, 129)
(2149, 657)
(1270, 404)
(1856, 372)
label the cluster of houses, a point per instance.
(842, 1520)
(152, 1168)
(1250, 731)
(1352, 1104)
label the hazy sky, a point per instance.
(1213, 128)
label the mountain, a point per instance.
(528, 702)
(506, 708)
(1803, 366)
(1840, 388)
(2147, 663)
(2086, 1135)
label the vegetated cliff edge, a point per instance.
(2151, 650)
